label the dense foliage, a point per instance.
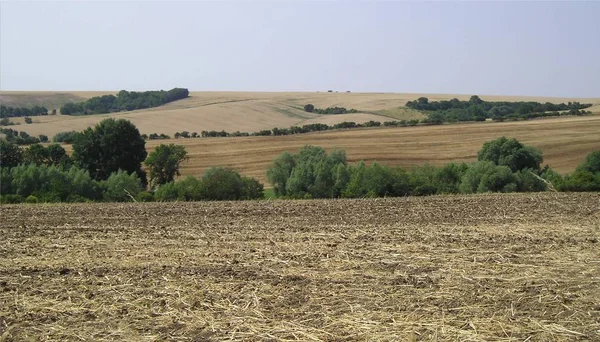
(163, 163)
(13, 112)
(110, 146)
(124, 101)
(217, 184)
(504, 165)
(65, 137)
(476, 109)
(20, 138)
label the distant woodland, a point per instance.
(124, 101)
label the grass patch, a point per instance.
(269, 193)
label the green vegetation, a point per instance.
(65, 137)
(478, 110)
(163, 163)
(329, 110)
(20, 138)
(6, 122)
(14, 112)
(106, 166)
(217, 184)
(110, 146)
(504, 165)
(124, 101)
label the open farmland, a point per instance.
(239, 111)
(564, 142)
(478, 268)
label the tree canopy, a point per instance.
(511, 153)
(110, 146)
(163, 163)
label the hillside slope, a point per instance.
(564, 142)
(239, 111)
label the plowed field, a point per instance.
(468, 268)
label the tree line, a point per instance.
(14, 112)
(110, 163)
(477, 109)
(310, 108)
(124, 101)
(22, 137)
(504, 165)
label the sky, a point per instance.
(486, 48)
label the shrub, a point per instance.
(144, 196)
(253, 189)
(511, 153)
(120, 185)
(65, 137)
(166, 192)
(10, 199)
(31, 199)
(220, 184)
(309, 108)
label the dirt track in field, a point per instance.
(476, 268)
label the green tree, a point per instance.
(110, 146)
(511, 153)
(280, 171)
(591, 163)
(35, 154)
(221, 184)
(57, 155)
(11, 155)
(120, 186)
(163, 163)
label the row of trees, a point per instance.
(106, 165)
(22, 137)
(13, 112)
(329, 110)
(503, 165)
(124, 101)
(477, 109)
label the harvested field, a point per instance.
(519, 267)
(239, 111)
(564, 142)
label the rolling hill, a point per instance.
(238, 111)
(564, 141)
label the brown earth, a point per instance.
(519, 267)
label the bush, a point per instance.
(65, 137)
(220, 184)
(511, 153)
(253, 189)
(309, 108)
(31, 199)
(11, 199)
(144, 196)
(120, 185)
(167, 192)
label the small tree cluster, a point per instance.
(504, 165)
(124, 101)
(217, 184)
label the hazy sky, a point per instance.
(504, 48)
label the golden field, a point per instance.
(564, 141)
(239, 111)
